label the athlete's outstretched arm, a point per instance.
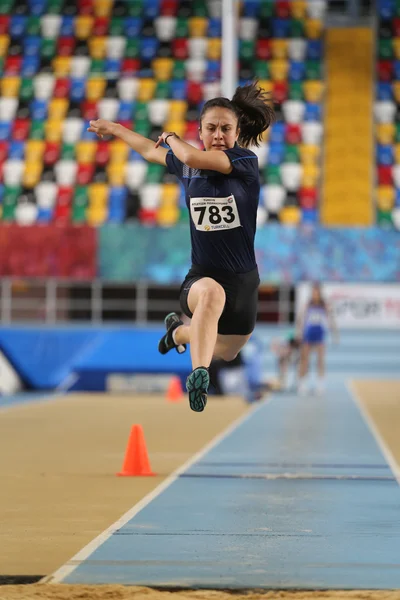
(139, 143)
(214, 160)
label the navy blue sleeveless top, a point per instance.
(223, 211)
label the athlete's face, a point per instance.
(219, 129)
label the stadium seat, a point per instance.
(291, 176)
(273, 197)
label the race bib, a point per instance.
(214, 214)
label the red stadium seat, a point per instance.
(130, 66)
(169, 8)
(3, 150)
(385, 176)
(148, 217)
(4, 24)
(89, 110)
(51, 153)
(194, 92)
(293, 133)
(192, 130)
(263, 49)
(20, 129)
(62, 213)
(85, 174)
(102, 153)
(62, 87)
(85, 7)
(308, 197)
(65, 195)
(180, 49)
(12, 65)
(282, 9)
(100, 26)
(66, 46)
(385, 70)
(396, 27)
(280, 91)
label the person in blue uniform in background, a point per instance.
(313, 325)
(220, 291)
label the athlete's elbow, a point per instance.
(190, 160)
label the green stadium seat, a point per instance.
(247, 49)
(296, 91)
(313, 69)
(266, 9)
(200, 8)
(33, 26)
(132, 49)
(154, 173)
(385, 48)
(117, 26)
(179, 70)
(54, 7)
(272, 174)
(6, 6)
(261, 69)
(37, 130)
(163, 90)
(67, 151)
(292, 153)
(48, 48)
(182, 28)
(97, 66)
(297, 28)
(135, 8)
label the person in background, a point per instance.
(313, 324)
(287, 352)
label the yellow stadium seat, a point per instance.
(177, 110)
(86, 151)
(170, 194)
(162, 68)
(102, 8)
(385, 197)
(396, 46)
(167, 215)
(266, 85)
(397, 153)
(9, 86)
(396, 90)
(146, 90)
(279, 48)
(4, 43)
(290, 215)
(116, 173)
(97, 47)
(95, 88)
(313, 91)
(97, 215)
(298, 9)
(313, 28)
(179, 127)
(309, 154)
(310, 175)
(61, 66)
(279, 69)
(34, 150)
(83, 26)
(97, 195)
(198, 27)
(53, 130)
(119, 151)
(385, 133)
(214, 48)
(58, 108)
(32, 173)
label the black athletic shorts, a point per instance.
(241, 289)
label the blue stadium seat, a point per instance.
(280, 28)
(17, 26)
(397, 198)
(309, 215)
(67, 28)
(149, 47)
(213, 71)
(178, 89)
(386, 8)
(126, 109)
(5, 130)
(277, 134)
(251, 8)
(44, 215)
(38, 109)
(1, 192)
(313, 112)
(16, 149)
(78, 89)
(214, 28)
(384, 154)
(396, 70)
(112, 66)
(133, 26)
(88, 135)
(30, 66)
(297, 70)
(133, 155)
(314, 50)
(32, 44)
(384, 91)
(276, 153)
(151, 8)
(37, 7)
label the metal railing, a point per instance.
(58, 301)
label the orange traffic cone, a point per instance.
(136, 462)
(175, 391)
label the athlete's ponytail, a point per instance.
(253, 109)
(253, 106)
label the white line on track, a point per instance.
(387, 453)
(66, 569)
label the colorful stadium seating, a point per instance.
(151, 64)
(387, 114)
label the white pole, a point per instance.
(229, 70)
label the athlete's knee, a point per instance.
(212, 297)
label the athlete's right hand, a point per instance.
(102, 127)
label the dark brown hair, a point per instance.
(252, 106)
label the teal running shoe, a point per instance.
(197, 387)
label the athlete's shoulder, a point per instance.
(239, 152)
